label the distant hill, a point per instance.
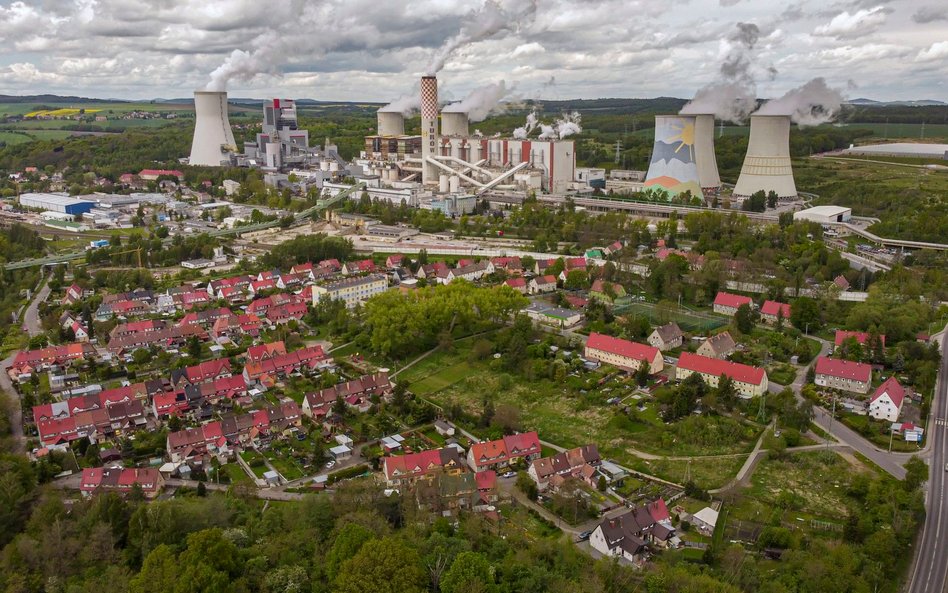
(919, 103)
(53, 99)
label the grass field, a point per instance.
(689, 321)
(706, 473)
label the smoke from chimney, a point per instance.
(492, 18)
(809, 105)
(479, 103)
(406, 105)
(528, 126)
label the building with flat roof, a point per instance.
(824, 214)
(906, 149)
(56, 203)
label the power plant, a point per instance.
(707, 163)
(213, 140)
(767, 161)
(673, 167)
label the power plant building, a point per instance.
(767, 165)
(213, 140)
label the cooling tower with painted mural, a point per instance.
(673, 167)
(767, 161)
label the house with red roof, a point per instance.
(748, 381)
(364, 266)
(842, 374)
(518, 284)
(407, 469)
(626, 355)
(542, 284)
(260, 352)
(154, 174)
(770, 311)
(861, 337)
(286, 313)
(499, 453)
(394, 261)
(74, 294)
(726, 303)
(886, 401)
(121, 480)
(579, 463)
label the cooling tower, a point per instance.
(673, 167)
(213, 138)
(454, 123)
(704, 153)
(767, 162)
(429, 128)
(391, 123)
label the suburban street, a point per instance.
(31, 320)
(931, 563)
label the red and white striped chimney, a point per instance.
(429, 127)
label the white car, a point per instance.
(330, 464)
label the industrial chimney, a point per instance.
(429, 128)
(213, 138)
(391, 123)
(673, 167)
(704, 154)
(454, 123)
(767, 162)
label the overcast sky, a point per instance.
(375, 49)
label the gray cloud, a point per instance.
(930, 14)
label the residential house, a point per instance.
(202, 372)
(352, 291)
(705, 520)
(862, 338)
(719, 346)
(26, 362)
(121, 480)
(625, 536)
(499, 453)
(261, 352)
(282, 314)
(666, 337)
(726, 303)
(470, 272)
(771, 311)
(841, 283)
(605, 291)
(886, 402)
(748, 381)
(356, 393)
(431, 271)
(268, 370)
(394, 261)
(542, 284)
(518, 284)
(842, 374)
(365, 266)
(554, 316)
(511, 265)
(579, 463)
(624, 354)
(74, 294)
(403, 470)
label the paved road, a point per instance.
(931, 563)
(31, 320)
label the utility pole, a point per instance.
(890, 439)
(832, 416)
(618, 150)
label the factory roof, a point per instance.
(909, 148)
(822, 211)
(57, 199)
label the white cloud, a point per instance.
(849, 26)
(937, 51)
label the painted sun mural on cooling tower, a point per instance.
(673, 167)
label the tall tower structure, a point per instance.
(213, 138)
(767, 161)
(390, 123)
(454, 123)
(673, 167)
(707, 163)
(429, 128)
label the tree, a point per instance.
(916, 473)
(642, 374)
(526, 485)
(382, 566)
(159, 572)
(470, 571)
(744, 319)
(347, 544)
(805, 314)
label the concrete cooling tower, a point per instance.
(429, 128)
(391, 123)
(454, 123)
(213, 139)
(767, 162)
(704, 154)
(673, 167)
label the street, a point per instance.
(931, 562)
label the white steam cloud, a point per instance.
(569, 124)
(406, 105)
(563, 126)
(480, 102)
(735, 95)
(241, 65)
(492, 18)
(809, 105)
(528, 126)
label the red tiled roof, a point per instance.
(773, 307)
(861, 337)
(716, 367)
(516, 282)
(843, 369)
(893, 389)
(175, 173)
(486, 480)
(547, 279)
(625, 348)
(658, 510)
(726, 299)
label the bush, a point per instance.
(348, 473)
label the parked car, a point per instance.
(508, 474)
(584, 535)
(330, 464)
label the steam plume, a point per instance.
(564, 126)
(528, 126)
(491, 19)
(809, 105)
(480, 102)
(734, 96)
(406, 104)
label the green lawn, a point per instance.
(287, 467)
(235, 473)
(872, 430)
(255, 461)
(706, 473)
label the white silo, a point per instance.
(454, 123)
(443, 183)
(391, 123)
(707, 163)
(767, 162)
(213, 138)
(429, 128)
(673, 168)
(454, 184)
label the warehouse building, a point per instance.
(825, 214)
(56, 203)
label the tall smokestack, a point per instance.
(213, 138)
(767, 162)
(704, 153)
(673, 167)
(429, 128)
(391, 123)
(454, 123)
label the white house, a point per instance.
(886, 402)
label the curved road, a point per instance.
(931, 563)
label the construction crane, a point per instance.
(137, 252)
